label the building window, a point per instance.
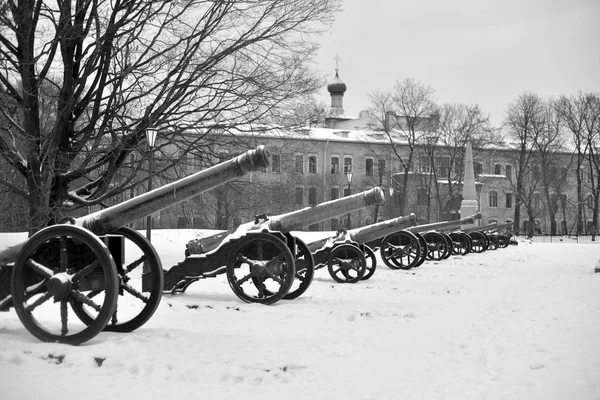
(590, 201)
(312, 164)
(424, 165)
(347, 191)
(335, 165)
(421, 197)
(508, 200)
(299, 195)
(299, 164)
(275, 163)
(347, 164)
(381, 166)
(335, 193)
(313, 227)
(477, 169)
(369, 167)
(442, 166)
(312, 196)
(334, 224)
(508, 171)
(493, 198)
(497, 169)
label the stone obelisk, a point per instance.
(468, 205)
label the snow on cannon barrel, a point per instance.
(409, 248)
(350, 255)
(255, 274)
(86, 264)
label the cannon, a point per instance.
(350, 254)
(480, 241)
(254, 282)
(410, 247)
(81, 263)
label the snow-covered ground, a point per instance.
(515, 323)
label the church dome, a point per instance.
(337, 86)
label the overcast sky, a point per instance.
(482, 52)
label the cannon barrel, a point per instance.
(443, 225)
(111, 218)
(367, 233)
(480, 228)
(294, 220)
(500, 227)
(380, 229)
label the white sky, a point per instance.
(484, 52)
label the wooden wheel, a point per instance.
(492, 241)
(401, 250)
(462, 243)
(55, 268)
(141, 283)
(346, 264)
(449, 245)
(305, 270)
(479, 244)
(436, 245)
(260, 268)
(423, 245)
(371, 261)
(503, 241)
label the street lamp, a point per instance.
(391, 202)
(349, 179)
(151, 134)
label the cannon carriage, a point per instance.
(410, 247)
(204, 256)
(108, 275)
(350, 254)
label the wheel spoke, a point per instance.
(84, 271)
(133, 265)
(130, 289)
(274, 277)
(64, 318)
(39, 268)
(244, 279)
(41, 300)
(85, 300)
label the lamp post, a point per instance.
(151, 134)
(349, 179)
(391, 202)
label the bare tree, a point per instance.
(120, 67)
(580, 115)
(403, 113)
(549, 143)
(525, 120)
(458, 124)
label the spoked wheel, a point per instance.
(436, 245)
(260, 268)
(503, 241)
(479, 244)
(141, 283)
(305, 270)
(346, 264)
(424, 252)
(401, 250)
(461, 243)
(371, 261)
(448, 245)
(55, 268)
(492, 242)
